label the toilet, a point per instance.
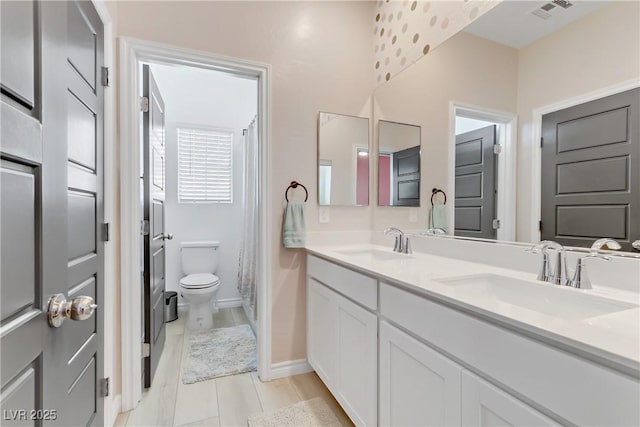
(200, 285)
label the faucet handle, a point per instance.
(580, 277)
(407, 246)
(543, 273)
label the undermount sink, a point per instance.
(374, 254)
(539, 297)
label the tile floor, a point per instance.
(226, 401)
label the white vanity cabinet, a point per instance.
(342, 338)
(418, 386)
(436, 363)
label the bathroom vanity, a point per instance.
(421, 339)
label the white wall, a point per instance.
(465, 124)
(205, 98)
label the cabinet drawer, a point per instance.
(358, 287)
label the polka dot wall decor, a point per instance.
(412, 28)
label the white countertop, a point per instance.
(613, 339)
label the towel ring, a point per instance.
(436, 191)
(294, 184)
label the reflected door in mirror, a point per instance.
(398, 164)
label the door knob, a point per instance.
(79, 308)
(167, 236)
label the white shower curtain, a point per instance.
(248, 250)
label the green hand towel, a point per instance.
(438, 217)
(294, 227)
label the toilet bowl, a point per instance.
(200, 290)
(199, 287)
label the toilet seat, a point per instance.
(199, 281)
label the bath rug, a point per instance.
(218, 353)
(314, 412)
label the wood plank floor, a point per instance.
(221, 402)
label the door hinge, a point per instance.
(105, 232)
(104, 387)
(146, 349)
(144, 104)
(541, 142)
(105, 76)
(495, 224)
(540, 226)
(144, 227)
(497, 148)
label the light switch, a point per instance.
(324, 215)
(413, 215)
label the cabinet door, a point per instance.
(322, 327)
(418, 386)
(483, 404)
(356, 388)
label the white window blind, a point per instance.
(205, 168)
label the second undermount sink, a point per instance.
(374, 254)
(539, 297)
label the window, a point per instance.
(205, 167)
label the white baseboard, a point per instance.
(223, 303)
(289, 368)
(113, 411)
(230, 302)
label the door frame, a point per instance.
(132, 52)
(507, 136)
(111, 403)
(536, 154)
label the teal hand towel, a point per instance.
(294, 228)
(438, 217)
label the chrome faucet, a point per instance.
(636, 245)
(402, 244)
(559, 275)
(580, 276)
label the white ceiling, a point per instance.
(511, 22)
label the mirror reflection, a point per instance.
(398, 164)
(343, 160)
(533, 123)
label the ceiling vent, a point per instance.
(544, 11)
(563, 3)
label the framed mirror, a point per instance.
(343, 160)
(398, 164)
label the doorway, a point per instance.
(482, 172)
(134, 54)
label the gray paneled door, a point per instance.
(475, 182)
(591, 171)
(154, 253)
(406, 177)
(51, 187)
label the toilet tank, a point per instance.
(199, 257)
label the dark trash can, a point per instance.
(170, 306)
